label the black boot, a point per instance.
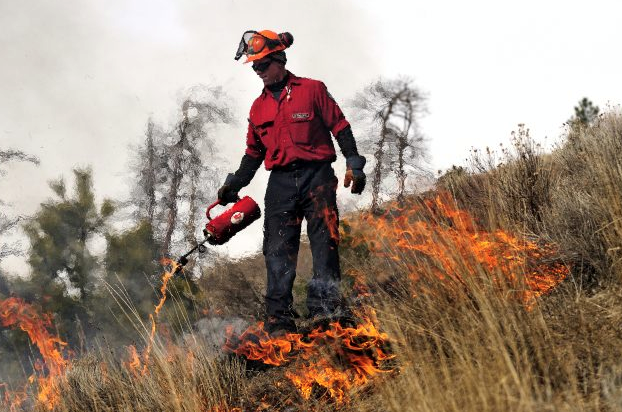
(341, 315)
(279, 326)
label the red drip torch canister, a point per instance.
(223, 227)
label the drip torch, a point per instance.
(223, 227)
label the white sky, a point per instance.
(79, 78)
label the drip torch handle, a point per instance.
(213, 205)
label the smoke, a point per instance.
(83, 78)
(213, 330)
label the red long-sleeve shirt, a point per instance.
(297, 126)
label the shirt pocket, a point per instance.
(300, 124)
(263, 125)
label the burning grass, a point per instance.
(472, 310)
(333, 359)
(15, 313)
(432, 241)
(433, 252)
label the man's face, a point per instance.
(268, 70)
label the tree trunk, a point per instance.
(403, 144)
(192, 212)
(377, 173)
(401, 173)
(150, 174)
(171, 219)
(378, 156)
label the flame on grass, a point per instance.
(431, 240)
(359, 285)
(16, 313)
(447, 239)
(138, 364)
(13, 399)
(334, 359)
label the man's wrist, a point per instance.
(346, 142)
(356, 162)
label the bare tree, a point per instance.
(149, 177)
(9, 223)
(393, 108)
(10, 154)
(177, 173)
(151, 171)
(174, 178)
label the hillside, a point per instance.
(498, 290)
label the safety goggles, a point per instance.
(253, 42)
(262, 67)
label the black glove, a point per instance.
(234, 182)
(228, 193)
(355, 174)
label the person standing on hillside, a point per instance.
(289, 129)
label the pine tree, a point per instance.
(584, 113)
(64, 272)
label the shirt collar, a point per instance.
(293, 80)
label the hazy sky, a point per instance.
(79, 78)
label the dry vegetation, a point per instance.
(463, 343)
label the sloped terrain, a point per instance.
(499, 290)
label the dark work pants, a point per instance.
(307, 192)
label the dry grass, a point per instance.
(570, 197)
(462, 344)
(487, 353)
(179, 378)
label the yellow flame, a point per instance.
(17, 313)
(136, 360)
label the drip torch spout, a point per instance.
(183, 259)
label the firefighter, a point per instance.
(289, 130)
